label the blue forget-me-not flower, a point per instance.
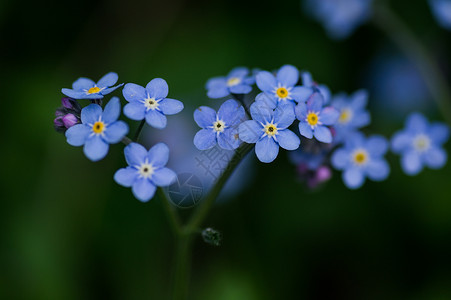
(98, 129)
(146, 170)
(307, 81)
(150, 102)
(441, 9)
(420, 144)
(220, 128)
(237, 81)
(85, 88)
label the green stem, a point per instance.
(126, 140)
(405, 39)
(138, 131)
(174, 219)
(182, 266)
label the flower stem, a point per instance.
(139, 130)
(405, 39)
(174, 219)
(182, 266)
(126, 140)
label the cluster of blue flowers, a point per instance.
(289, 110)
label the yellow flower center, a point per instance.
(218, 126)
(360, 157)
(312, 119)
(151, 103)
(93, 90)
(146, 170)
(345, 116)
(233, 81)
(421, 143)
(98, 127)
(282, 92)
(270, 129)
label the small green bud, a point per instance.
(211, 236)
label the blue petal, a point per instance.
(115, 132)
(82, 84)
(353, 178)
(340, 159)
(288, 76)
(126, 176)
(238, 72)
(216, 83)
(111, 89)
(261, 112)
(359, 99)
(301, 93)
(377, 145)
(240, 89)
(266, 81)
(95, 148)
(288, 140)
(143, 189)
(329, 115)
(416, 122)
(170, 106)
(157, 88)
(205, 139)
(135, 111)
(135, 154)
(231, 112)
(266, 149)
(435, 158)
(134, 92)
(163, 177)
(80, 95)
(305, 130)
(323, 134)
(301, 111)
(108, 80)
(325, 92)
(377, 169)
(91, 114)
(307, 79)
(112, 110)
(315, 103)
(284, 116)
(216, 93)
(228, 139)
(77, 134)
(411, 163)
(360, 119)
(158, 155)
(205, 116)
(439, 133)
(156, 119)
(401, 141)
(250, 131)
(266, 100)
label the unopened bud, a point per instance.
(211, 236)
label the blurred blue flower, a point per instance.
(352, 113)
(362, 157)
(313, 117)
(339, 17)
(146, 170)
(237, 81)
(441, 9)
(150, 103)
(219, 128)
(420, 144)
(85, 88)
(269, 130)
(308, 81)
(98, 129)
(281, 88)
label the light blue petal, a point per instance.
(108, 80)
(163, 177)
(156, 119)
(288, 75)
(82, 84)
(250, 131)
(301, 93)
(288, 140)
(158, 155)
(266, 100)
(216, 93)
(266, 81)
(228, 139)
(400, 141)
(377, 169)
(231, 112)
(95, 148)
(135, 154)
(301, 111)
(170, 106)
(340, 159)
(266, 149)
(115, 132)
(305, 130)
(329, 116)
(416, 122)
(240, 89)
(439, 133)
(205, 116)
(353, 178)
(315, 103)
(284, 115)
(77, 134)
(377, 145)
(126, 176)
(134, 92)
(205, 139)
(143, 189)
(435, 158)
(411, 163)
(91, 114)
(157, 88)
(323, 134)
(111, 89)
(135, 111)
(79, 95)
(325, 92)
(239, 72)
(216, 83)
(360, 119)
(260, 112)
(359, 99)
(112, 110)
(307, 79)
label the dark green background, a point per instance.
(68, 231)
